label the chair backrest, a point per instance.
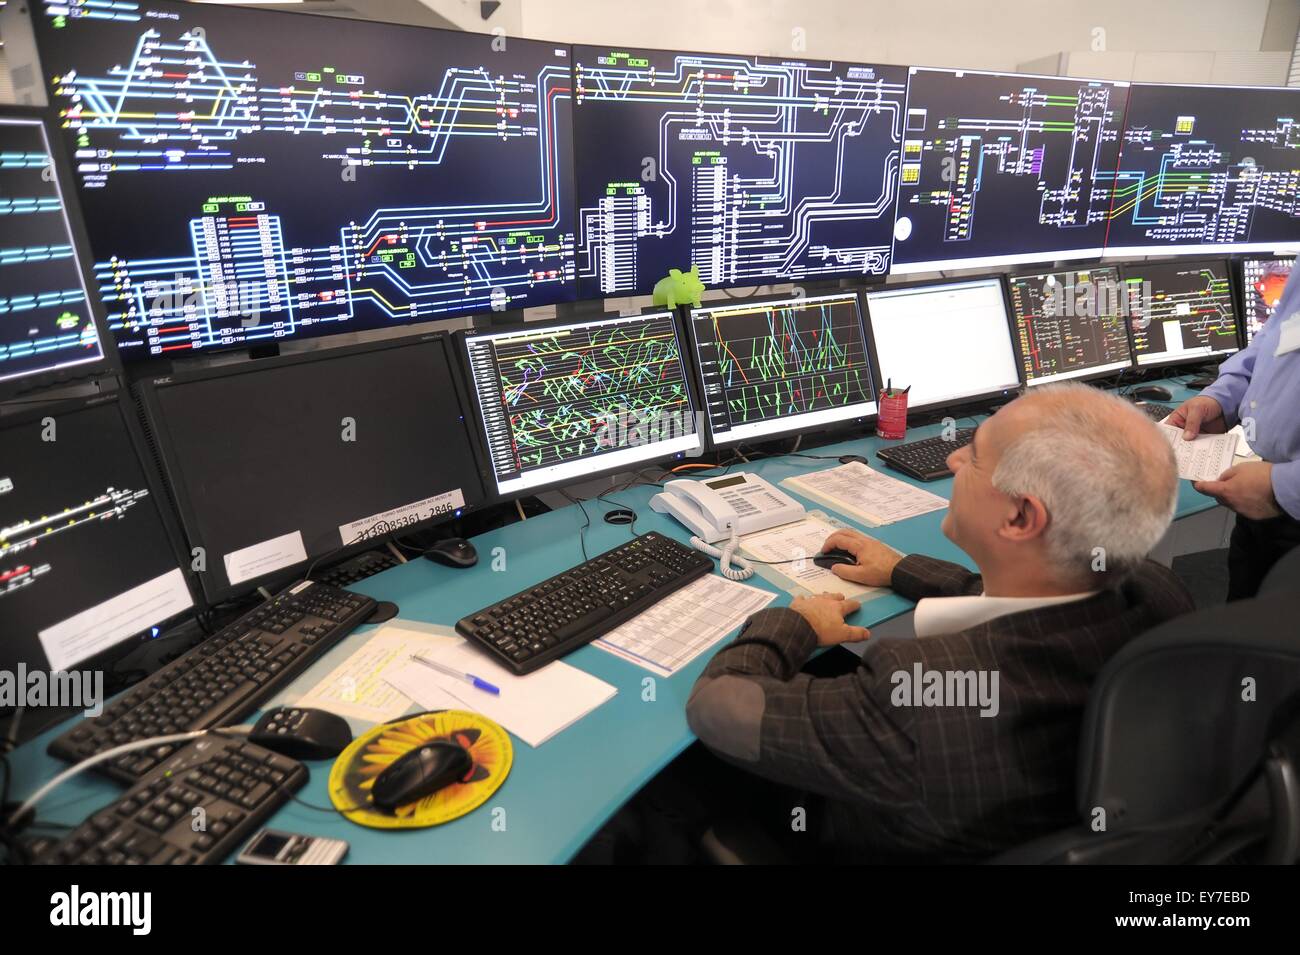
(1284, 578)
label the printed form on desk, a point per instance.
(865, 494)
(794, 545)
(1203, 458)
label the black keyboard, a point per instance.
(546, 621)
(236, 785)
(927, 459)
(1155, 412)
(222, 679)
(356, 568)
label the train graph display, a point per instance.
(777, 367)
(755, 169)
(1000, 168)
(565, 401)
(1205, 167)
(250, 176)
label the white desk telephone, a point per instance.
(724, 508)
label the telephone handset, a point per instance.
(724, 508)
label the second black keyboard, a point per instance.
(546, 621)
(927, 459)
(223, 679)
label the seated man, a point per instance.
(964, 741)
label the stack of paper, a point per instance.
(1203, 458)
(865, 494)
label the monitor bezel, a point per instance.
(1003, 393)
(159, 432)
(109, 363)
(1091, 374)
(1213, 357)
(848, 423)
(490, 483)
(138, 445)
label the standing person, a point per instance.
(1260, 388)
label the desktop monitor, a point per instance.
(772, 368)
(1180, 311)
(51, 325)
(1069, 324)
(89, 560)
(1000, 168)
(950, 342)
(1207, 168)
(757, 169)
(251, 176)
(280, 463)
(560, 402)
(1262, 280)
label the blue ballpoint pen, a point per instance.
(469, 678)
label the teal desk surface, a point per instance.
(558, 795)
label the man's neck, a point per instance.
(1026, 582)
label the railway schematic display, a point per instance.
(776, 367)
(1262, 282)
(242, 187)
(1069, 324)
(995, 164)
(560, 402)
(755, 169)
(46, 323)
(1180, 310)
(1206, 167)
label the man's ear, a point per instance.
(1028, 520)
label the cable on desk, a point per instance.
(582, 534)
(519, 506)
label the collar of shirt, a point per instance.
(938, 616)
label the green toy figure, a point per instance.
(679, 288)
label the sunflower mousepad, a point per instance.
(354, 772)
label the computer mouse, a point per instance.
(302, 733)
(854, 459)
(1152, 393)
(830, 558)
(453, 552)
(422, 771)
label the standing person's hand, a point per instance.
(1197, 415)
(875, 561)
(1245, 488)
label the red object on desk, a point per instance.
(891, 423)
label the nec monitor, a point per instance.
(250, 176)
(757, 169)
(1180, 311)
(950, 342)
(560, 402)
(773, 368)
(1262, 280)
(51, 323)
(88, 559)
(279, 463)
(1069, 324)
(1000, 168)
(1207, 169)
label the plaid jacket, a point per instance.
(939, 781)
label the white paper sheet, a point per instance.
(357, 687)
(1203, 458)
(865, 494)
(801, 540)
(265, 558)
(677, 629)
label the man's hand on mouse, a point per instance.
(875, 561)
(1199, 415)
(825, 614)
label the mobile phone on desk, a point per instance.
(273, 847)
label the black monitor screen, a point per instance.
(85, 559)
(561, 402)
(1262, 282)
(277, 464)
(1180, 311)
(250, 175)
(771, 368)
(47, 326)
(1001, 168)
(1069, 324)
(1207, 167)
(756, 169)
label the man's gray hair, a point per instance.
(1106, 475)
